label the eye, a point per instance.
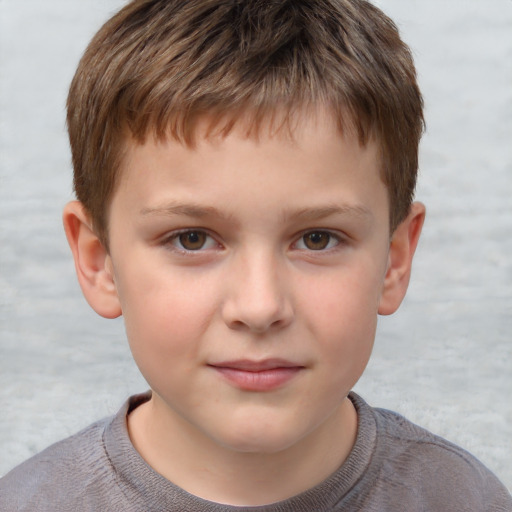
(192, 240)
(317, 241)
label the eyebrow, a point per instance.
(303, 214)
(185, 210)
(311, 214)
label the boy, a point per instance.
(245, 172)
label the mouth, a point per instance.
(264, 375)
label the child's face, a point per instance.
(250, 274)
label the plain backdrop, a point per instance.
(444, 360)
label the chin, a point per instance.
(261, 439)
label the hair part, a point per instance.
(161, 66)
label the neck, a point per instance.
(206, 469)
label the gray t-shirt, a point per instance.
(394, 466)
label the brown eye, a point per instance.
(192, 240)
(317, 240)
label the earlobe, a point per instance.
(92, 262)
(402, 247)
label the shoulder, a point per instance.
(440, 471)
(60, 474)
(406, 440)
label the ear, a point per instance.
(401, 251)
(92, 262)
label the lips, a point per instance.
(264, 375)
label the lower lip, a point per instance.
(265, 380)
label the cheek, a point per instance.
(164, 336)
(345, 300)
(342, 314)
(164, 316)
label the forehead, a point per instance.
(306, 165)
(303, 128)
(284, 125)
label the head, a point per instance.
(245, 172)
(161, 67)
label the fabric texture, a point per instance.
(394, 466)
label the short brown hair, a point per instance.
(159, 66)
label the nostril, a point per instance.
(237, 325)
(257, 320)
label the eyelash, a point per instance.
(333, 237)
(174, 239)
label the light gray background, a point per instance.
(444, 360)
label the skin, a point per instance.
(253, 250)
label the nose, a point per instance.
(258, 298)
